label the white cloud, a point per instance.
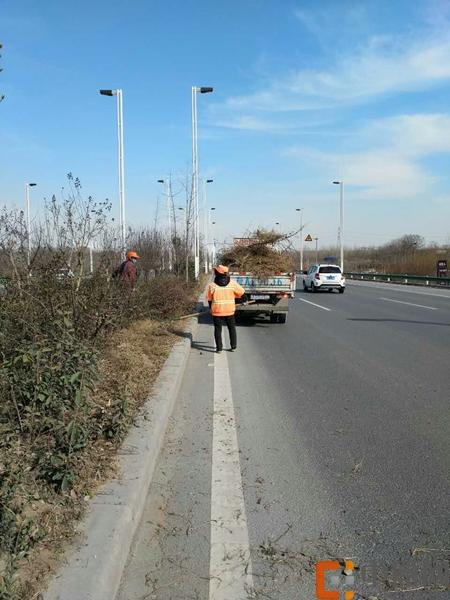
(389, 165)
(251, 123)
(384, 65)
(414, 135)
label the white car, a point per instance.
(328, 277)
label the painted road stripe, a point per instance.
(314, 304)
(230, 568)
(409, 303)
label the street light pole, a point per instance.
(206, 223)
(186, 242)
(28, 220)
(118, 94)
(195, 175)
(317, 250)
(211, 253)
(341, 220)
(300, 210)
(168, 189)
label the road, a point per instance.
(324, 438)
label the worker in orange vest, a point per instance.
(221, 298)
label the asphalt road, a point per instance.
(342, 424)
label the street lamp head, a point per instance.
(209, 180)
(180, 208)
(298, 209)
(160, 180)
(108, 92)
(206, 90)
(337, 182)
(32, 184)
(212, 208)
(213, 222)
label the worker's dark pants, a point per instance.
(231, 324)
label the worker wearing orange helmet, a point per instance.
(221, 298)
(128, 269)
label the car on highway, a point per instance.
(324, 277)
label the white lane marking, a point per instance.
(230, 568)
(409, 303)
(392, 287)
(314, 304)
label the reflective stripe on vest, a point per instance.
(223, 300)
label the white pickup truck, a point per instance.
(265, 296)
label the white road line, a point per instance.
(230, 568)
(409, 303)
(314, 304)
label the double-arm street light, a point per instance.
(341, 220)
(195, 175)
(28, 219)
(118, 94)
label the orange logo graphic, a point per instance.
(331, 565)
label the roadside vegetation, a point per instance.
(407, 255)
(79, 351)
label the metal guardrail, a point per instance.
(399, 278)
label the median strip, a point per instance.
(409, 303)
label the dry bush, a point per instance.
(76, 362)
(265, 254)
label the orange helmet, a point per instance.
(132, 254)
(221, 269)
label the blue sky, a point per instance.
(304, 92)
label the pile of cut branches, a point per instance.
(264, 253)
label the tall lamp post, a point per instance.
(186, 246)
(210, 244)
(317, 250)
(118, 94)
(168, 188)
(300, 210)
(195, 176)
(28, 219)
(206, 222)
(341, 220)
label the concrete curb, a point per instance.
(94, 566)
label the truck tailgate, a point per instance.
(259, 286)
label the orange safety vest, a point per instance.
(222, 298)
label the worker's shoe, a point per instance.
(233, 348)
(218, 351)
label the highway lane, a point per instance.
(342, 425)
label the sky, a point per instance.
(305, 92)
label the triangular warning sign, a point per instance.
(308, 238)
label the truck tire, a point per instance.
(341, 290)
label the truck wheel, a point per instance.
(313, 288)
(341, 290)
(282, 318)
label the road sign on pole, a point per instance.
(441, 268)
(308, 238)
